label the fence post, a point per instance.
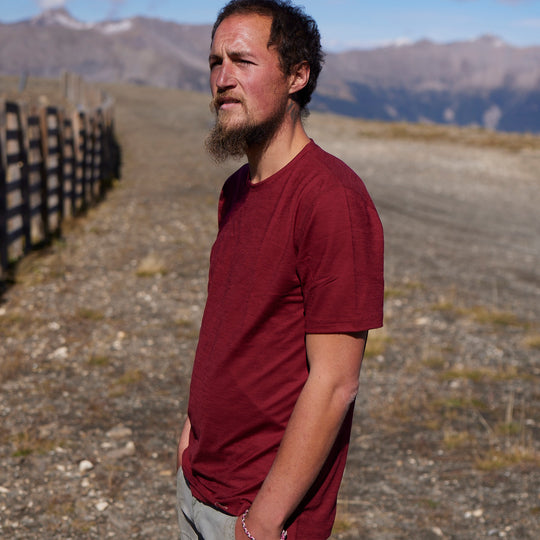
(98, 152)
(82, 156)
(18, 136)
(91, 149)
(70, 176)
(63, 157)
(44, 175)
(3, 208)
(35, 174)
(55, 162)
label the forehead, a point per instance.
(241, 32)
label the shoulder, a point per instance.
(238, 178)
(325, 176)
(233, 190)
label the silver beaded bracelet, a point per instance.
(249, 535)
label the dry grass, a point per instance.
(99, 360)
(420, 400)
(532, 341)
(125, 382)
(431, 133)
(12, 323)
(487, 315)
(342, 524)
(187, 329)
(484, 374)
(377, 342)
(496, 317)
(90, 314)
(453, 440)
(13, 366)
(151, 265)
(27, 442)
(496, 459)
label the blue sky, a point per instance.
(343, 23)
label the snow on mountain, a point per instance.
(61, 17)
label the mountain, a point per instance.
(139, 50)
(483, 82)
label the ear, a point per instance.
(299, 77)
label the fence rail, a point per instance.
(54, 163)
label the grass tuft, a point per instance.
(377, 342)
(28, 443)
(495, 317)
(90, 314)
(98, 360)
(453, 440)
(532, 341)
(151, 265)
(496, 459)
(15, 365)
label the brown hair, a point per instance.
(293, 33)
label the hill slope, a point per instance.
(484, 82)
(98, 334)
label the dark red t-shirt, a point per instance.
(300, 252)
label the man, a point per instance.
(295, 283)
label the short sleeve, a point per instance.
(340, 261)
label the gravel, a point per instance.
(98, 333)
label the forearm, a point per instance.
(308, 439)
(335, 361)
(183, 442)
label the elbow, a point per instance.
(347, 393)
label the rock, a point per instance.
(119, 432)
(85, 466)
(101, 506)
(119, 453)
(47, 430)
(59, 354)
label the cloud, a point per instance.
(114, 8)
(528, 23)
(511, 2)
(51, 4)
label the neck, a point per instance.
(288, 141)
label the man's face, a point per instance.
(249, 89)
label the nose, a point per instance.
(224, 78)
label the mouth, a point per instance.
(225, 103)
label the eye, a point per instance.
(244, 62)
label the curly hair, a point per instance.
(293, 33)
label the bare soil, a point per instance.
(98, 332)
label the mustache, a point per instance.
(221, 99)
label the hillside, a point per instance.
(484, 82)
(98, 332)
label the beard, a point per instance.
(223, 142)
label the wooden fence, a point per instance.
(54, 163)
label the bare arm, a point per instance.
(332, 384)
(183, 442)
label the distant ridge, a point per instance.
(484, 82)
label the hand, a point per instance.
(183, 443)
(257, 532)
(179, 453)
(238, 531)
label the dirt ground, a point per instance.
(98, 331)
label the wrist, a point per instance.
(247, 531)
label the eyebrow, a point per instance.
(235, 55)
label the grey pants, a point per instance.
(197, 520)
